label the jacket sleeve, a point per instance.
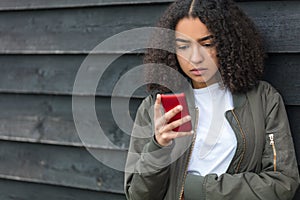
(279, 176)
(147, 167)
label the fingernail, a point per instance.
(192, 132)
(188, 117)
(179, 107)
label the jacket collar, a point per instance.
(239, 99)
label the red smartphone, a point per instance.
(169, 101)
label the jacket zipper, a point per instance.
(244, 142)
(193, 143)
(190, 153)
(272, 143)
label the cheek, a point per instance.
(184, 64)
(215, 58)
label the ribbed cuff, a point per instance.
(153, 146)
(157, 155)
(193, 187)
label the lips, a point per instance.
(198, 71)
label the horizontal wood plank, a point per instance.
(282, 71)
(297, 195)
(61, 166)
(294, 118)
(80, 30)
(55, 74)
(281, 34)
(13, 190)
(49, 120)
(75, 31)
(6, 5)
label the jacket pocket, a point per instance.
(272, 143)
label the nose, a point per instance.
(197, 55)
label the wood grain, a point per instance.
(79, 30)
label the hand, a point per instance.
(164, 133)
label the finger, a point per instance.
(157, 107)
(180, 134)
(173, 135)
(158, 113)
(175, 124)
(171, 113)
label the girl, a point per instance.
(240, 146)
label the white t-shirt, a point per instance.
(216, 142)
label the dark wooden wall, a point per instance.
(42, 45)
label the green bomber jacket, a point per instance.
(264, 165)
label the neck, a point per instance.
(200, 85)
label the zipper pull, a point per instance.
(272, 143)
(271, 136)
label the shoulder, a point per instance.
(266, 87)
(265, 95)
(147, 102)
(264, 90)
(144, 112)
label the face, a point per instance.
(196, 52)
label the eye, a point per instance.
(208, 45)
(183, 47)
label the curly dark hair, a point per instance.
(239, 46)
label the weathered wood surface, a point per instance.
(281, 34)
(44, 4)
(49, 120)
(63, 166)
(75, 167)
(19, 190)
(282, 71)
(79, 30)
(43, 44)
(55, 74)
(294, 118)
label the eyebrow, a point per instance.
(199, 40)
